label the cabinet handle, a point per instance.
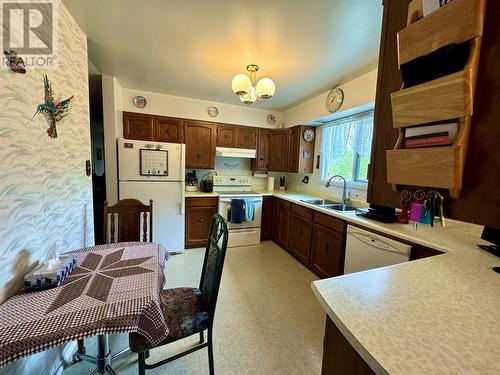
(202, 220)
(138, 128)
(198, 155)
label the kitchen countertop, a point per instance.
(438, 315)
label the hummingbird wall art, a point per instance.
(53, 111)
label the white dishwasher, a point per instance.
(365, 250)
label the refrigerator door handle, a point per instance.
(183, 200)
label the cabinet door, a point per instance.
(169, 130)
(266, 226)
(138, 126)
(226, 136)
(283, 229)
(278, 150)
(261, 160)
(293, 160)
(327, 252)
(300, 238)
(200, 145)
(246, 137)
(197, 225)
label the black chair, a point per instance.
(190, 311)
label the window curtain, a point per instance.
(340, 136)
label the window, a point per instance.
(346, 147)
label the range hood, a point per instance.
(230, 152)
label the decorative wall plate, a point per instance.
(140, 101)
(213, 111)
(271, 119)
(334, 100)
(308, 135)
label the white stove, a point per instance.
(239, 187)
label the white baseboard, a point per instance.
(67, 357)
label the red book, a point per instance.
(441, 140)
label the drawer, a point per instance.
(329, 222)
(303, 212)
(202, 202)
(284, 204)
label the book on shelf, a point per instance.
(427, 140)
(430, 130)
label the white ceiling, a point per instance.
(193, 48)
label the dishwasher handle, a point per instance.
(375, 241)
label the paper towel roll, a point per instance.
(270, 184)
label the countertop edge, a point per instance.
(360, 349)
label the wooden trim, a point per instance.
(202, 202)
(435, 167)
(457, 22)
(303, 212)
(445, 98)
(329, 222)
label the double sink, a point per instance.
(330, 205)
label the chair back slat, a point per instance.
(125, 221)
(145, 227)
(112, 240)
(213, 263)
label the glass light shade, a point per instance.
(265, 88)
(241, 84)
(250, 97)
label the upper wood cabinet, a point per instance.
(301, 152)
(236, 136)
(226, 136)
(170, 130)
(138, 126)
(278, 150)
(261, 160)
(200, 141)
(246, 137)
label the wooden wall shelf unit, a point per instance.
(446, 98)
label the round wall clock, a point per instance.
(308, 135)
(334, 100)
(140, 101)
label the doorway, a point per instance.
(98, 165)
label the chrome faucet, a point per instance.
(344, 196)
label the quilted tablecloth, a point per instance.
(115, 288)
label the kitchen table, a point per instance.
(114, 288)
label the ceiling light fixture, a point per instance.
(249, 89)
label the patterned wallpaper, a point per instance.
(45, 195)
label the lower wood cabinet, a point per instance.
(339, 357)
(199, 213)
(266, 226)
(327, 252)
(283, 223)
(300, 238)
(420, 252)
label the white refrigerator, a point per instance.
(155, 170)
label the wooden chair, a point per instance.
(128, 212)
(190, 311)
